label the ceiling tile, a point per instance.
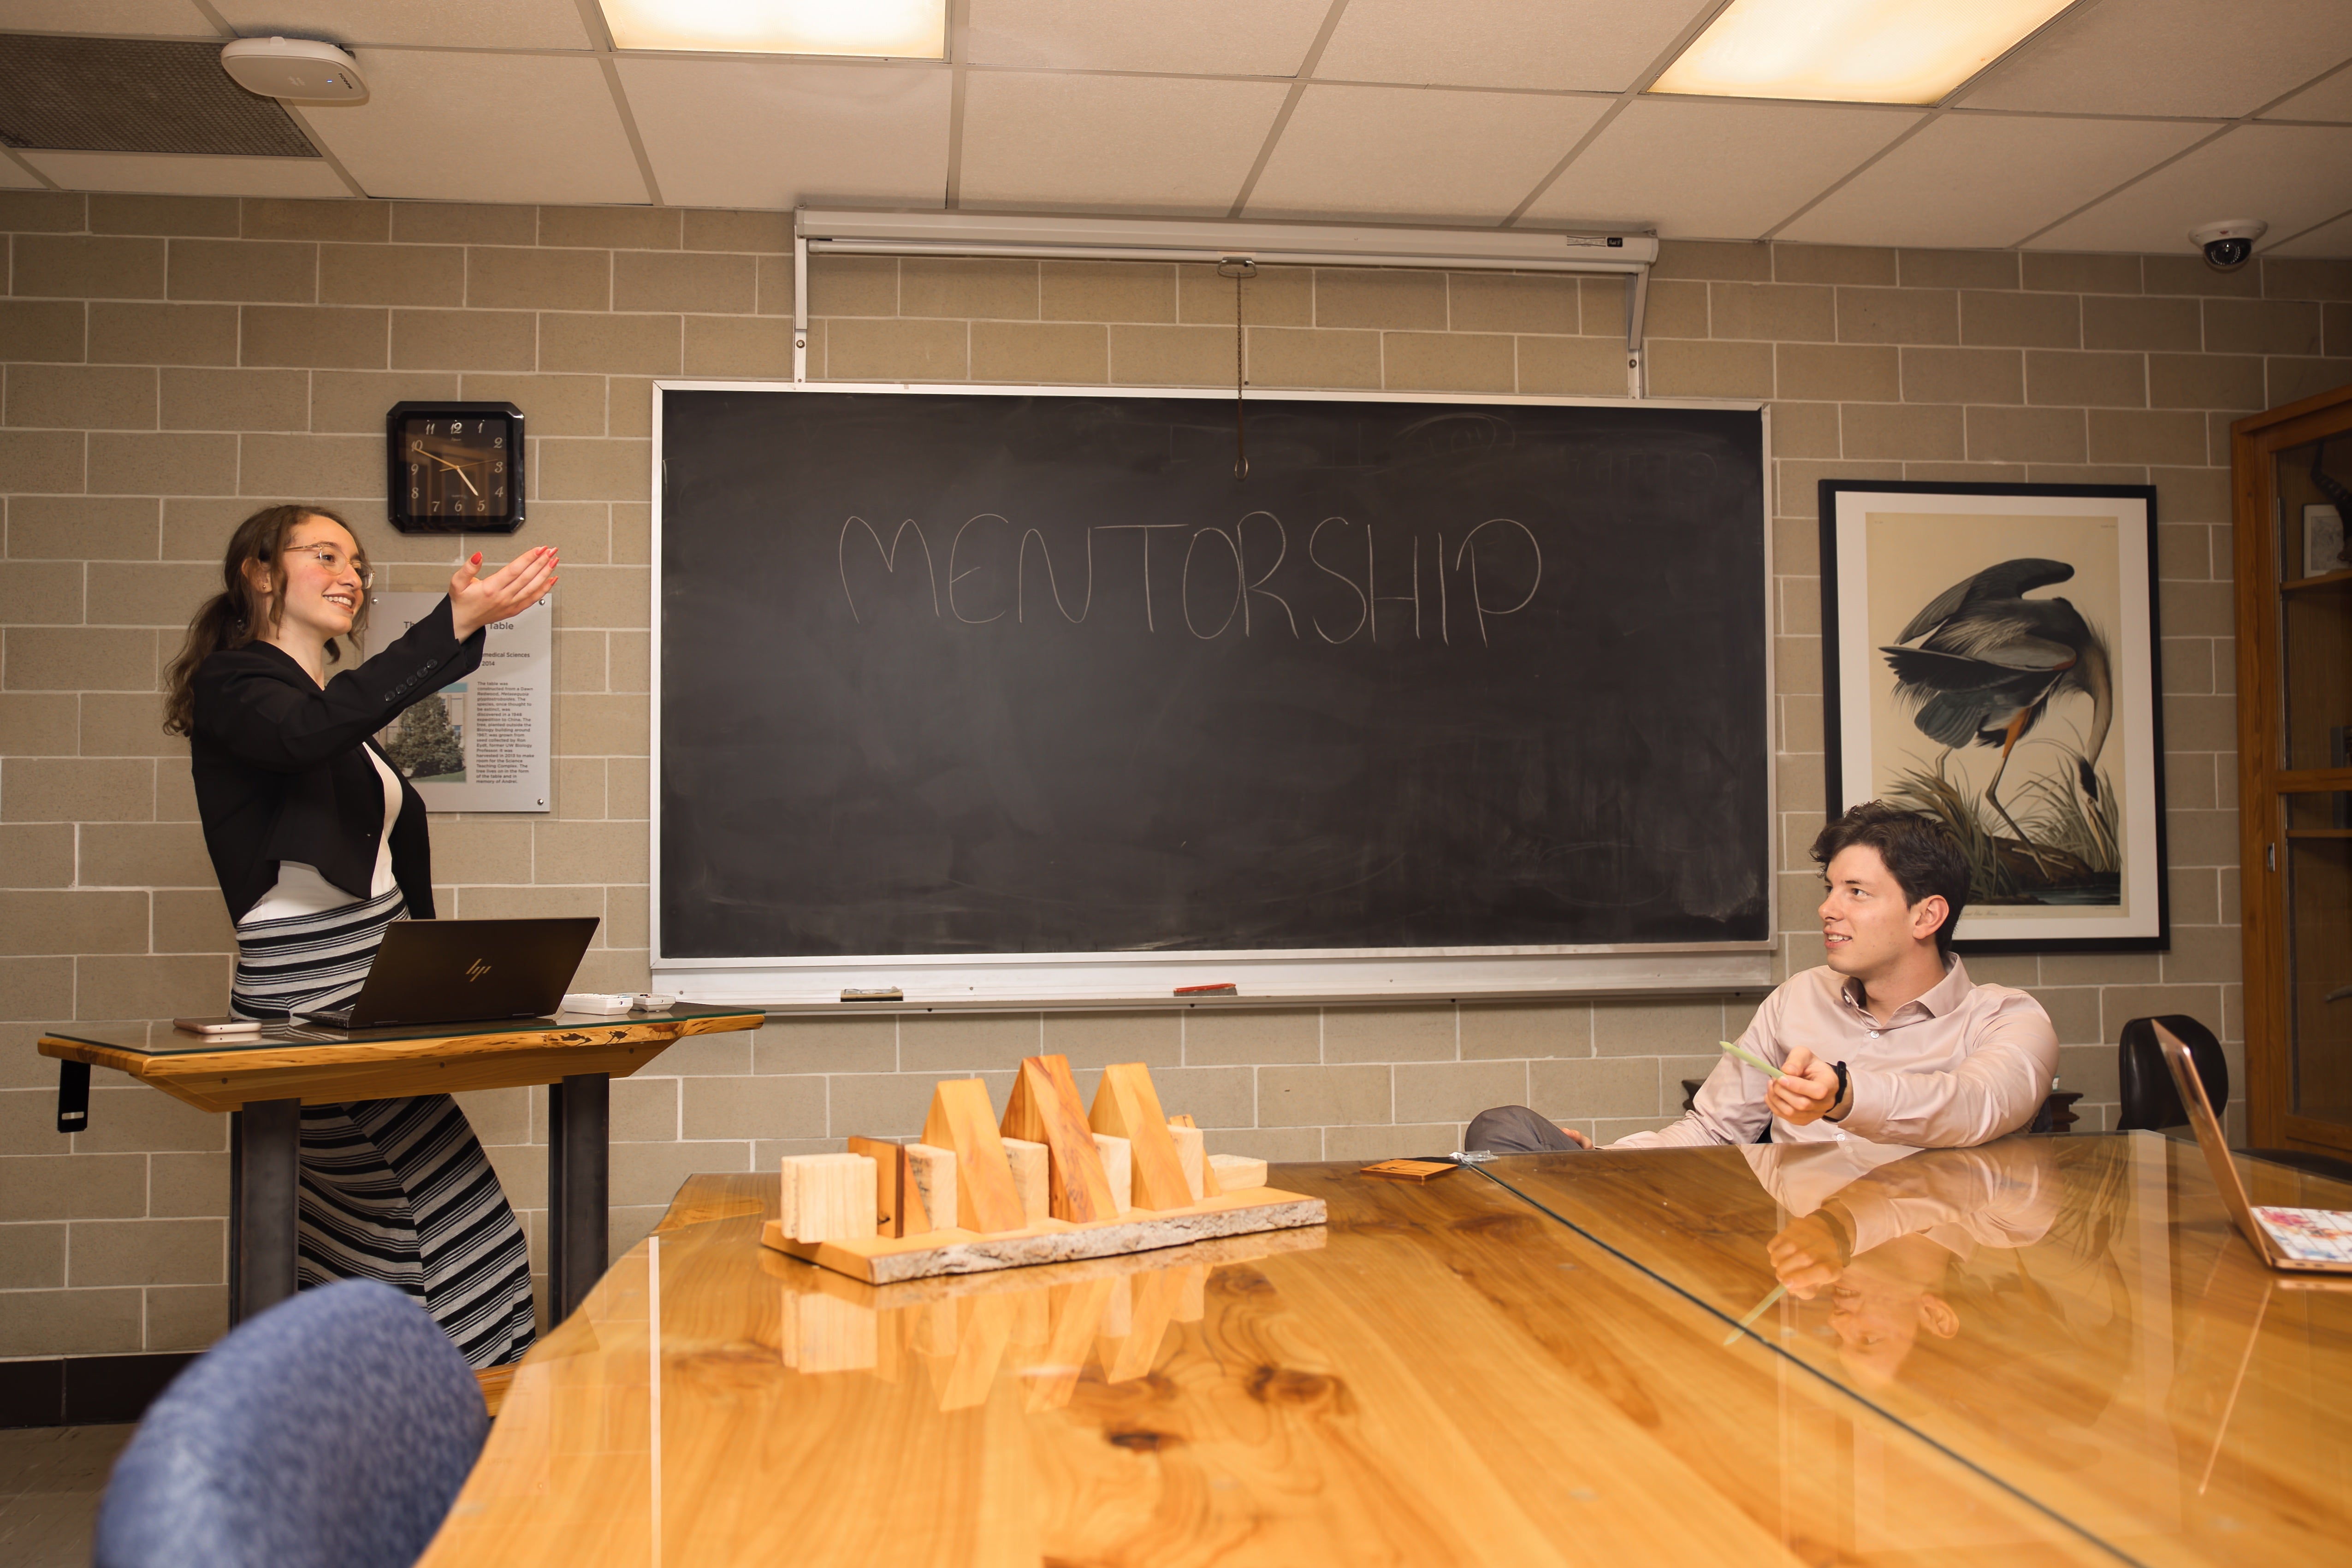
(445, 24)
(2290, 176)
(1987, 181)
(2328, 239)
(1409, 152)
(2172, 56)
(108, 18)
(774, 133)
(1205, 37)
(1716, 169)
(2330, 100)
(1602, 45)
(454, 127)
(179, 175)
(1163, 144)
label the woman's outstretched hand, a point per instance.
(475, 602)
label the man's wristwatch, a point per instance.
(1840, 1098)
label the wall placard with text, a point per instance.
(482, 744)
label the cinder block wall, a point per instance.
(172, 364)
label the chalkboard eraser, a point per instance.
(878, 994)
(1222, 988)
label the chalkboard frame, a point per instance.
(1046, 981)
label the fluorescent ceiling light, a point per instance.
(1851, 51)
(899, 29)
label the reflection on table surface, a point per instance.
(1441, 1375)
(2075, 1315)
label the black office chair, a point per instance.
(2152, 1101)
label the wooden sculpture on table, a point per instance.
(1050, 1183)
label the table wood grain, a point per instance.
(1441, 1375)
(2074, 1316)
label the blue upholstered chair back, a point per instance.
(334, 1428)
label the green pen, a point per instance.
(1760, 1065)
(1749, 1322)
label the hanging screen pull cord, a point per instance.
(1238, 268)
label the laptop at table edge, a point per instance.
(2215, 1146)
(538, 955)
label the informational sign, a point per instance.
(480, 744)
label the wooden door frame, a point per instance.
(2262, 781)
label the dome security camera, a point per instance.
(2227, 244)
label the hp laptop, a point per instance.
(465, 971)
(2302, 1240)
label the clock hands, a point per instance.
(460, 468)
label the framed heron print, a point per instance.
(1989, 658)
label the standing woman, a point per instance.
(320, 844)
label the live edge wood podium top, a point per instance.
(323, 1066)
(1461, 1371)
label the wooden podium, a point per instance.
(263, 1081)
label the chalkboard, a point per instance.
(1017, 673)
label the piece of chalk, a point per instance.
(1223, 988)
(1757, 1063)
(880, 994)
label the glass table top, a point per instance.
(2074, 1317)
(159, 1038)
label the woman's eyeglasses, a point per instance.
(334, 564)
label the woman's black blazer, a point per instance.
(281, 773)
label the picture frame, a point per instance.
(1991, 657)
(2323, 541)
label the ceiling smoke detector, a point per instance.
(301, 69)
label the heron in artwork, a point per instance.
(1989, 660)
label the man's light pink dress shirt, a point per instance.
(1959, 1066)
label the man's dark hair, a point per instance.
(1920, 853)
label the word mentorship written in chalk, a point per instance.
(1253, 578)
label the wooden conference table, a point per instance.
(1536, 1362)
(263, 1082)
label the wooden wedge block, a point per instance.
(828, 1198)
(1046, 1109)
(1209, 1187)
(1236, 1173)
(1118, 1171)
(1128, 1106)
(1030, 1163)
(1191, 1155)
(889, 1182)
(930, 1189)
(962, 1119)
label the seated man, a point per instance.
(1889, 1041)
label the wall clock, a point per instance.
(455, 467)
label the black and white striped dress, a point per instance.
(396, 1190)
